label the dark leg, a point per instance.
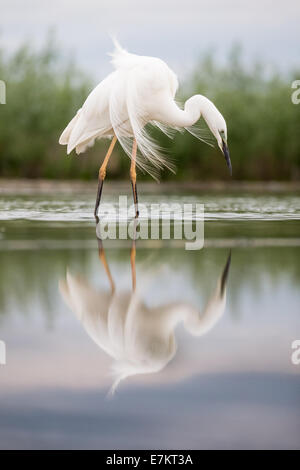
(102, 174)
(135, 198)
(98, 198)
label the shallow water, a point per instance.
(225, 382)
(79, 207)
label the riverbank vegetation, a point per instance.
(43, 93)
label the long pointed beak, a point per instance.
(227, 156)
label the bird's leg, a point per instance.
(102, 174)
(133, 177)
(102, 258)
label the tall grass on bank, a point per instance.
(43, 93)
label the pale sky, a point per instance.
(178, 32)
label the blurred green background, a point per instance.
(44, 91)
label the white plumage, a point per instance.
(140, 91)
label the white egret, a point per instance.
(140, 339)
(140, 91)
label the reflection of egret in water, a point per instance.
(140, 339)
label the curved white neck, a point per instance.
(194, 108)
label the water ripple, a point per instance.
(217, 207)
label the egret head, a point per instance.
(216, 124)
(219, 129)
(222, 143)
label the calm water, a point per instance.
(195, 365)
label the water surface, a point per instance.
(228, 383)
